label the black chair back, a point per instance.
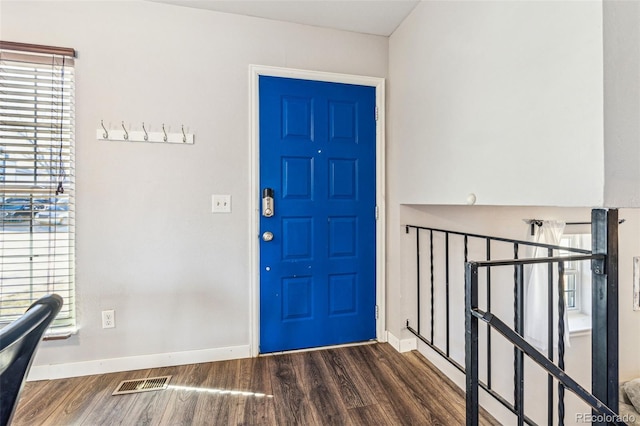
(18, 343)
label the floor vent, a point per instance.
(142, 385)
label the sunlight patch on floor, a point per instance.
(220, 391)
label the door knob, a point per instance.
(267, 236)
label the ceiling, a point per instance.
(380, 17)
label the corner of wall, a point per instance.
(404, 345)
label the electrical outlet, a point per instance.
(108, 319)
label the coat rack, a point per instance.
(124, 135)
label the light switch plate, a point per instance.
(221, 203)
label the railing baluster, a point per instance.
(488, 309)
(446, 246)
(561, 340)
(431, 272)
(466, 248)
(471, 343)
(418, 275)
(519, 356)
(516, 399)
(550, 333)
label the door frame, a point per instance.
(255, 71)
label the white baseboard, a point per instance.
(404, 345)
(142, 362)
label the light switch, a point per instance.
(221, 203)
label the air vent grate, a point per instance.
(142, 385)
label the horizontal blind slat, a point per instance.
(17, 68)
(30, 132)
(9, 98)
(19, 124)
(34, 78)
(30, 106)
(37, 114)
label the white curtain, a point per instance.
(536, 290)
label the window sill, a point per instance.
(579, 324)
(60, 333)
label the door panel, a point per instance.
(317, 153)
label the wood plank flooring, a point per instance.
(359, 385)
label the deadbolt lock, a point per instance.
(267, 202)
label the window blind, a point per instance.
(37, 214)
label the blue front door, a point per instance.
(318, 270)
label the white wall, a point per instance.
(148, 245)
(498, 98)
(622, 102)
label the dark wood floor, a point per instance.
(359, 385)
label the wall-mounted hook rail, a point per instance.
(144, 135)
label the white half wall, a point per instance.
(148, 246)
(502, 99)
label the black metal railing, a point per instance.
(521, 346)
(604, 315)
(424, 241)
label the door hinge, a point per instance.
(377, 312)
(377, 213)
(376, 113)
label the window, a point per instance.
(571, 274)
(577, 282)
(36, 179)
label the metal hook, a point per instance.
(165, 133)
(106, 133)
(146, 135)
(126, 134)
(184, 136)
